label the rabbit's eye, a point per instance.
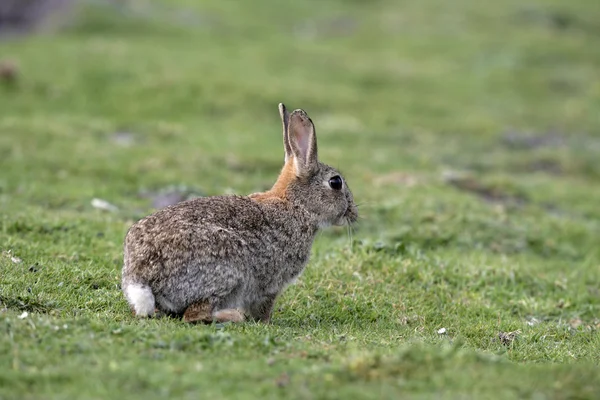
(336, 183)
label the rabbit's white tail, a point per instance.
(141, 298)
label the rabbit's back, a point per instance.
(193, 249)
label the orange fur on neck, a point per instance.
(279, 189)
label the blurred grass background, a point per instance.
(468, 131)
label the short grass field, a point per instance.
(468, 131)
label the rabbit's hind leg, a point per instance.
(224, 297)
(200, 311)
(229, 315)
(230, 307)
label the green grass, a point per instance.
(470, 135)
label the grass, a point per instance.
(469, 133)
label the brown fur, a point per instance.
(279, 189)
(229, 315)
(198, 312)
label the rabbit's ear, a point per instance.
(285, 121)
(303, 142)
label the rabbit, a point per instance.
(227, 258)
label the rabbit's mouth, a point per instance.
(348, 217)
(341, 222)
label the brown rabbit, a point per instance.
(224, 258)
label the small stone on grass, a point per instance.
(104, 205)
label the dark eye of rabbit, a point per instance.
(335, 183)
